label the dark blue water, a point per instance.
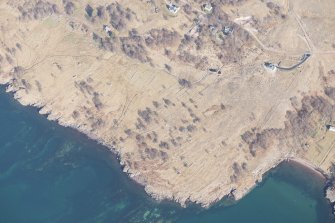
(53, 174)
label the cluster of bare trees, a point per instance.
(304, 119)
(301, 123)
(330, 92)
(69, 7)
(259, 140)
(199, 61)
(231, 2)
(275, 9)
(184, 83)
(105, 43)
(96, 101)
(133, 47)
(37, 9)
(150, 152)
(119, 15)
(161, 37)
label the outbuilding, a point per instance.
(331, 128)
(207, 8)
(227, 30)
(108, 30)
(172, 8)
(270, 66)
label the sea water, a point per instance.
(49, 173)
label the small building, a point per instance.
(207, 8)
(270, 66)
(227, 30)
(306, 56)
(331, 128)
(172, 8)
(108, 30)
(212, 28)
(213, 70)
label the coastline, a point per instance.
(187, 113)
(139, 182)
(83, 137)
(308, 166)
(149, 203)
(291, 160)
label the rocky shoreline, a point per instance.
(146, 91)
(329, 192)
(329, 188)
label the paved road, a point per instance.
(303, 59)
(275, 66)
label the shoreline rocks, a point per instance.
(330, 194)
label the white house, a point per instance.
(331, 128)
(227, 30)
(108, 30)
(172, 8)
(272, 68)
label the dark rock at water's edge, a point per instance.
(329, 192)
(329, 189)
(328, 180)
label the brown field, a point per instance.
(191, 111)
